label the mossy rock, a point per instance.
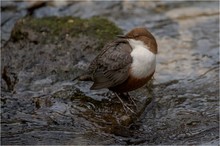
(55, 45)
(52, 29)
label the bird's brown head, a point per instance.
(142, 34)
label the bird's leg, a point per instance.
(127, 96)
(123, 104)
(131, 99)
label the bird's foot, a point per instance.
(131, 99)
(125, 106)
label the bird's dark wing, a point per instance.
(111, 66)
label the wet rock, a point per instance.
(52, 50)
(44, 55)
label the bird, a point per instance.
(124, 64)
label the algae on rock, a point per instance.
(52, 47)
(56, 29)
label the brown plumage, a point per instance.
(112, 68)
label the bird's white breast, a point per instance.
(144, 61)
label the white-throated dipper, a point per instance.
(124, 64)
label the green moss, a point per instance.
(56, 28)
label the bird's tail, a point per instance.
(85, 77)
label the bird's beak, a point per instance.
(121, 36)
